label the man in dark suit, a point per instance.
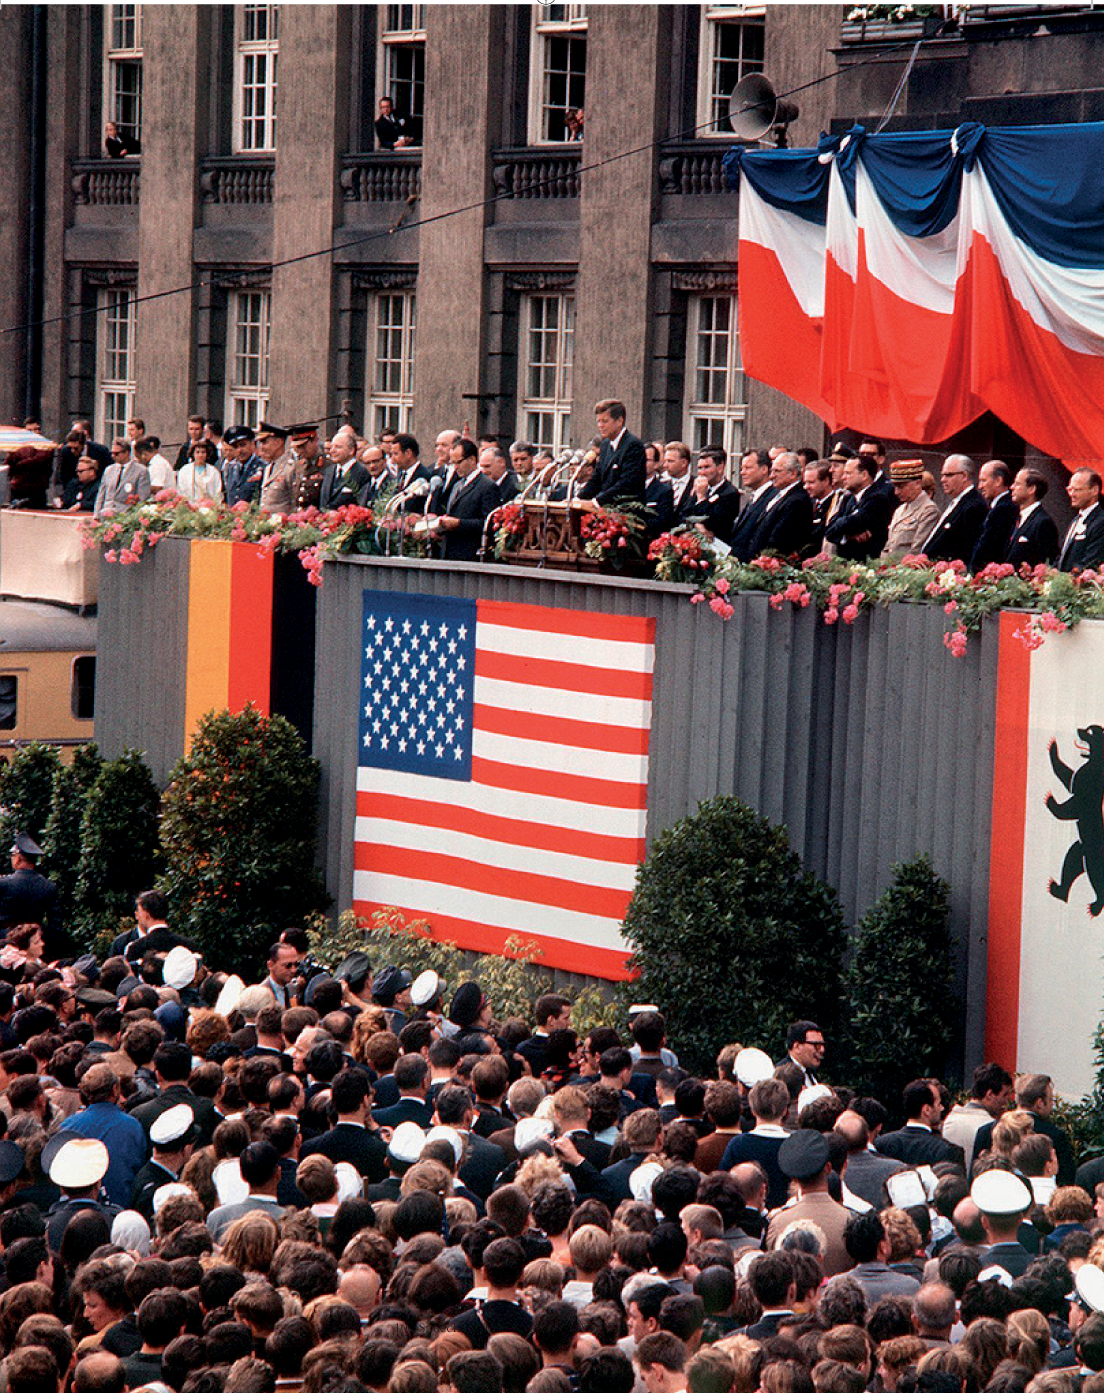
(659, 496)
(818, 485)
(483, 1160)
(392, 130)
(1034, 539)
(1083, 547)
(172, 1064)
(344, 477)
(641, 1133)
(758, 490)
(861, 531)
(462, 506)
(993, 485)
(774, 1283)
(412, 1077)
(494, 464)
(619, 473)
(379, 479)
(1035, 1094)
(679, 474)
(716, 502)
(351, 1138)
(956, 533)
(917, 1143)
(26, 897)
(787, 518)
(409, 469)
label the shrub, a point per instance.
(731, 936)
(26, 788)
(900, 986)
(119, 855)
(238, 832)
(62, 836)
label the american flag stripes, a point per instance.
(503, 771)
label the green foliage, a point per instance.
(26, 788)
(1083, 1121)
(731, 935)
(119, 855)
(62, 837)
(900, 986)
(238, 832)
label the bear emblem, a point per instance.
(1085, 806)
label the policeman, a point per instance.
(26, 897)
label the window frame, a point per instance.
(245, 49)
(561, 364)
(246, 403)
(731, 413)
(391, 42)
(713, 19)
(113, 59)
(13, 675)
(542, 30)
(76, 687)
(386, 408)
(126, 386)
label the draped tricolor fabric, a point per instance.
(904, 284)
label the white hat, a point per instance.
(350, 1182)
(1001, 1192)
(174, 1123)
(449, 1134)
(168, 1191)
(753, 1066)
(78, 1163)
(528, 1131)
(406, 1143)
(1089, 1284)
(230, 995)
(129, 1230)
(426, 986)
(179, 968)
(229, 1185)
(642, 1180)
(639, 1009)
(810, 1094)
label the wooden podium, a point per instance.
(552, 537)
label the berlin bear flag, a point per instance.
(904, 284)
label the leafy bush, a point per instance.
(731, 936)
(900, 986)
(26, 790)
(119, 853)
(238, 832)
(62, 836)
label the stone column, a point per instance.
(15, 184)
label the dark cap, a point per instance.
(312, 987)
(126, 986)
(467, 1002)
(302, 429)
(95, 998)
(236, 434)
(266, 429)
(803, 1154)
(87, 967)
(11, 1162)
(354, 969)
(26, 844)
(388, 982)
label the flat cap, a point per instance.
(302, 429)
(388, 983)
(1001, 1192)
(355, 968)
(803, 1154)
(236, 434)
(95, 998)
(427, 987)
(266, 428)
(11, 1163)
(25, 843)
(179, 968)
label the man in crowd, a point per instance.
(715, 501)
(915, 515)
(1034, 539)
(1083, 547)
(619, 473)
(124, 482)
(464, 503)
(244, 468)
(788, 515)
(860, 532)
(955, 535)
(994, 480)
(344, 477)
(678, 473)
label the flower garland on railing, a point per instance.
(613, 535)
(313, 535)
(841, 590)
(509, 525)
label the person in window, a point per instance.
(392, 130)
(574, 120)
(117, 144)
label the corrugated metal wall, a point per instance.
(870, 743)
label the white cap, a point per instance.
(350, 1183)
(811, 1094)
(230, 995)
(528, 1131)
(753, 1066)
(1001, 1192)
(173, 1124)
(166, 1192)
(425, 987)
(406, 1142)
(229, 1184)
(449, 1134)
(81, 1162)
(1089, 1284)
(642, 1180)
(179, 969)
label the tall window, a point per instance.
(391, 361)
(123, 74)
(731, 47)
(247, 357)
(255, 91)
(558, 69)
(115, 362)
(403, 77)
(545, 414)
(715, 407)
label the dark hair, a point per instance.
(259, 1163)
(862, 1236)
(649, 1030)
(674, 1190)
(504, 1261)
(771, 1277)
(555, 1327)
(453, 1104)
(218, 1284)
(917, 1096)
(155, 903)
(291, 1339)
(227, 1341)
(23, 1258)
(418, 1212)
(162, 1316)
(405, 442)
(682, 1315)
(173, 1061)
(32, 1369)
(797, 1031)
(473, 1371)
(349, 1089)
(666, 1247)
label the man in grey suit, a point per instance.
(866, 1241)
(260, 1168)
(867, 1172)
(124, 481)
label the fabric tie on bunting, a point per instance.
(904, 284)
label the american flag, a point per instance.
(503, 772)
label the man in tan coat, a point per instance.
(916, 514)
(804, 1157)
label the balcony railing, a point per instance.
(382, 176)
(238, 179)
(693, 168)
(537, 173)
(107, 183)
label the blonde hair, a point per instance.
(537, 1169)
(370, 1022)
(903, 1235)
(1010, 1130)
(427, 1175)
(250, 1242)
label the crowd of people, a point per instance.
(346, 1181)
(790, 503)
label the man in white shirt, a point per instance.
(1083, 547)
(161, 473)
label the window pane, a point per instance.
(737, 51)
(9, 692)
(124, 26)
(391, 373)
(405, 80)
(83, 693)
(564, 81)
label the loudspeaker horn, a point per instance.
(754, 109)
